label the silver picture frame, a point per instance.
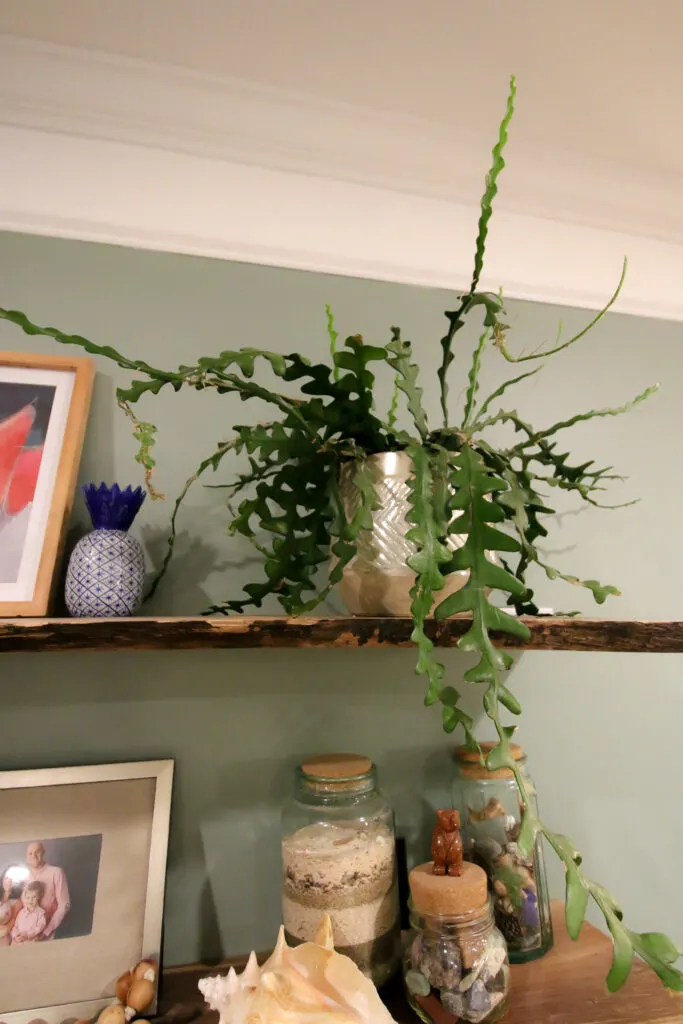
(151, 784)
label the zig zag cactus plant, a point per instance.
(291, 496)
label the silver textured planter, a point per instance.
(377, 580)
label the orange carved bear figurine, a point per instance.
(447, 844)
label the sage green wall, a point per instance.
(603, 731)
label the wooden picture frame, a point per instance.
(103, 831)
(40, 450)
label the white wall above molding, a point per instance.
(112, 149)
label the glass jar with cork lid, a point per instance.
(491, 815)
(339, 858)
(455, 961)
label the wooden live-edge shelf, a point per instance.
(548, 633)
(567, 986)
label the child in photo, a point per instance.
(31, 920)
(10, 905)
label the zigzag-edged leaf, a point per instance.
(656, 949)
(492, 186)
(399, 356)
(145, 434)
(212, 462)
(243, 358)
(473, 484)
(486, 208)
(473, 377)
(428, 490)
(543, 353)
(476, 488)
(392, 415)
(319, 377)
(622, 955)
(297, 518)
(428, 519)
(303, 541)
(344, 530)
(332, 335)
(486, 404)
(272, 439)
(659, 953)
(599, 591)
(359, 379)
(212, 371)
(656, 944)
(492, 307)
(525, 505)
(576, 901)
(106, 351)
(583, 479)
(581, 417)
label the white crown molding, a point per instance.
(117, 150)
(104, 96)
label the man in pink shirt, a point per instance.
(55, 901)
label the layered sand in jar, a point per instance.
(347, 870)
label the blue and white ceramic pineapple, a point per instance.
(106, 572)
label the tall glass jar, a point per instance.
(490, 819)
(339, 857)
(455, 963)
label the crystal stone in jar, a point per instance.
(339, 858)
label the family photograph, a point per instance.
(48, 889)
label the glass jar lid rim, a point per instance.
(473, 913)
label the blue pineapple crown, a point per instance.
(111, 508)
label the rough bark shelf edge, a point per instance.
(547, 634)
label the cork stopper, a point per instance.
(464, 753)
(444, 895)
(470, 767)
(336, 766)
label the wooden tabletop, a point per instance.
(567, 986)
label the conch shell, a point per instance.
(308, 983)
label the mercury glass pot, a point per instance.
(339, 858)
(490, 819)
(377, 580)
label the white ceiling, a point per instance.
(603, 78)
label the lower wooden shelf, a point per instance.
(567, 986)
(547, 633)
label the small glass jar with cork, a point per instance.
(339, 858)
(491, 816)
(455, 962)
